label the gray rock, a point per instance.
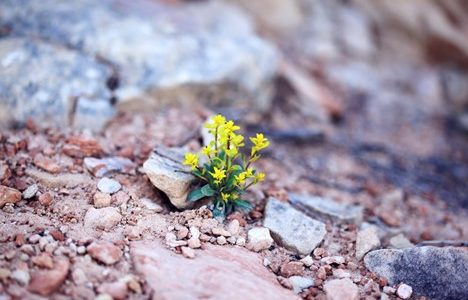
(259, 239)
(291, 228)
(166, 172)
(366, 240)
(154, 46)
(52, 84)
(299, 283)
(326, 208)
(108, 185)
(30, 191)
(439, 273)
(400, 241)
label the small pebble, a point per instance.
(108, 185)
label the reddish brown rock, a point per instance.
(46, 282)
(19, 239)
(46, 164)
(44, 261)
(57, 235)
(291, 268)
(80, 146)
(105, 252)
(5, 172)
(45, 199)
(228, 273)
(8, 195)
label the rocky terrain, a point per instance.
(365, 195)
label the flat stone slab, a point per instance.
(327, 209)
(216, 272)
(292, 228)
(439, 273)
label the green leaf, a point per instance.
(243, 205)
(207, 190)
(204, 191)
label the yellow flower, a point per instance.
(225, 196)
(191, 159)
(216, 121)
(208, 151)
(232, 151)
(218, 174)
(260, 177)
(249, 172)
(260, 142)
(240, 179)
(237, 140)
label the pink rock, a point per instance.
(216, 273)
(105, 252)
(341, 289)
(118, 289)
(44, 261)
(46, 282)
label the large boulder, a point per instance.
(439, 273)
(52, 84)
(151, 47)
(292, 228)
(215, 273)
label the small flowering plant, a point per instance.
(228, 173)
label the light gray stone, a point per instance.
(299, 283)
(341, 289)
(166, 172)
(292, 228)
(400, 241)
(366, 240)
(30, 191)
(327, 208)
(404, 291)
(438, 273)
(108, 185)
(259, 239)
(51, 84)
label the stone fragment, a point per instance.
(328, 260)
(58, 181)
(99, 167)
(229, 273)
(46, 282)
(327, 208)
(43, 261)
(165, 171)
(421, 268)
(307, 261)
(220, 231)
(105, 252)
(404, 291)
(45, 199)
(292, 228)
(292, 268)
(8, 195)
(341, 289)
(80, 146)
(47, 164)
(366, 240)
(300, 283)
(108, 185)
(21, 276)
(400, 241)
(259, 239)
(102, 200)
(30, 191)
(234, 227)
(221, 240)
(118, 290)
(102, 218)
(188, 252)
